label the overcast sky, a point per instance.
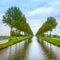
(36, 12)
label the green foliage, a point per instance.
(51, 40)
(14, 41)
(4, 36)
(15, 19)
(49, 25)
(13, 33)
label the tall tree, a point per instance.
(12, 16)
(49, 25)
(15, 19)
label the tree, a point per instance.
(52, 23)
(15, 19)
(12, 16)
(49, 25)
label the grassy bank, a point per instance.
(4, 36)
(55, 41)
(13, 41)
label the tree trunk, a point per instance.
(50, 34)
(16, 32)
(10, 33)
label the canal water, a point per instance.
(3, 40)
(34, 49)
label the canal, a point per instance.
(36, 49)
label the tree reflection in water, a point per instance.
(47, 48)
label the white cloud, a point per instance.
(35, 24)
(4, 29)
(55, 3)
(41, 10)
(36, 12)
(45, 12)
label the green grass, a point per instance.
(51, 40)
(4, 36)
(13, 41)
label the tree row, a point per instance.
(48, 25)
(15, 19)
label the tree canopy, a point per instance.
(14, 18)
(49, 25)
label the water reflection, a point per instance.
(49, 50)
(3, 40)
(32, 49)
(20, 51)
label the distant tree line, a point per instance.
(15, 19)
(49, 25)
